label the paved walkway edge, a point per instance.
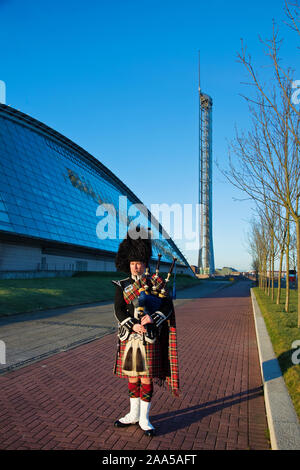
(282, 419)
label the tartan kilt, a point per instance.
(153, 357)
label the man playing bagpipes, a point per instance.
(147, 344)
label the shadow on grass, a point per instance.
(285, 360)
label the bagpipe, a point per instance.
(154, 289)
(151, 295)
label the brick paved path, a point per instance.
(71, 399)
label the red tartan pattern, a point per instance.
(134, 389)
(158, 282)
(146, 392)
(154, 361)
(173, 379)
(133, 289)
(153, 357)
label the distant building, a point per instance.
(50, 189)
(226, 271)
(195, 269)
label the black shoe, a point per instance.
(118, 424)
(150, 432)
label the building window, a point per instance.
(81, 266)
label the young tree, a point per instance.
(267, 157)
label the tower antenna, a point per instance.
(199, 86)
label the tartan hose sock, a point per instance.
(146, 392)
(134, 389)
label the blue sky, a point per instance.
(120, 78)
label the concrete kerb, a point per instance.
(282, 418)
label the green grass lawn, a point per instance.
(283, 330)
(28, 295)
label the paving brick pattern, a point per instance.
(71, 399)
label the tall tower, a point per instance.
(206, 261)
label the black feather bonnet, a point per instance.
(136, 246)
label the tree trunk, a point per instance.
(265, 274)
(272, 267)
(287, 277)
(260, 277)
(268, 276)
(298, 266)
(279, 276)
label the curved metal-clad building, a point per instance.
(50, 193)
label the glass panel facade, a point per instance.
(50, 191)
